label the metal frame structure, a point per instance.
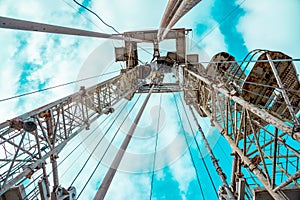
(30, 139)
(258, 118)
(262, 143)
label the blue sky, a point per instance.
(31, 61)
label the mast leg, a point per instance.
(117, 160)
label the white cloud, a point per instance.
(271, 25)
(129, 186)
(212, 41)
(62, 57)
(125, 18)
(59, 57)
(9, 73)
(183, 172)
(130, 15)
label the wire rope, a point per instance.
(91, 154)
(71, 6)
(74, 161)
(56, 86)
(109, 26)
(155, 149)
(97, 16)
(33, 193)
(221, 149)
(145, 50)
(192, 159)
(108, 147)
(106, 25)
(39, 176)
(198, 146)
(90, 20)
(89, 135)
(26, 186)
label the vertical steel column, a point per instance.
(44, 178)
(116, 162)
(233, 173)
(241, 189)
(274, 158)
(55, 177)
(235, 159)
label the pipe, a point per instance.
(171, 8)
(173, 14)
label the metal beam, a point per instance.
(281, 88)
(274, 158)
(170, 10)
(117, 160)
(288, 181)
(17, 24)
(254, 109)
(165, 88)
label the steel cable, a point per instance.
(198, 146)
(192, 159)
(97, 146)
(108, 147)
(97, 16)
(52, 87)
(155, 149)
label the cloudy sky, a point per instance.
(33, 61)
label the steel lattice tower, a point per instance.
(254, 104)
